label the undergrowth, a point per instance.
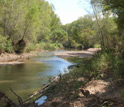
(87, 69)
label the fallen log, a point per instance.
(42, 91)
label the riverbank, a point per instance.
(90, 83)
(95, 93)
(85, 86)
(81, 54)
(12, 58)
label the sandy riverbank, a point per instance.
(81, 54)
(11, 59)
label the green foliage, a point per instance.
(55, 22)
(107, 61)
(112, 29)
(86, 38)
(30, 47)
(9, 47)
(117, 8)
(34, 21)
(84, 69)
(59, 36)
(101, 62)
(48, 46)
(2, 43)
(5, 45)
(80, 33)
(31, 21)
(97, 46)
(118, 67)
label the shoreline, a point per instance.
(81, 54)
(83, 91)
(12, 58)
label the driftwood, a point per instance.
(42, 91)
(38, 92)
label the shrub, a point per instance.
(101, 62)
(118, 67)
(109, 62)
(97, 46)
(48, 46)
(31, 47)
(5, 45)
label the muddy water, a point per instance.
(26, 78)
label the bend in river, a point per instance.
(26, 78)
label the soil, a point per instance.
(12, 58)
(96, 93)
(81, 54)
(101, 92)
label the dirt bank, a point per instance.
(96, 93)
(6, 58)
(80, 88)
(81, 54)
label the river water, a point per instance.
(26, 78)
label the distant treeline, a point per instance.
(27, 25)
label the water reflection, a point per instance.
(29, 77)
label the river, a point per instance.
(28, 77)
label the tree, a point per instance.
(27, 21)
(117, 7)
(59, 36)
(86, 38)
(76, 29)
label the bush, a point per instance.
(5, 45)
(48, 46)
(118, 67)
(52, 46)
(109, 62)
(97, 46)
(43, 46)
(9, 47)
(72, 44)
(31, 47)
(101, 62)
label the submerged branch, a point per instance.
(19, 98)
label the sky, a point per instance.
(69, 10)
